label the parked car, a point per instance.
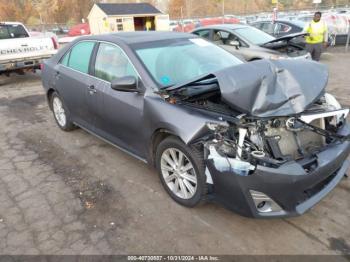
(60, 30)
(20, 51)
(80, 29)
(251, 43)
(261, 138)
(281, 28)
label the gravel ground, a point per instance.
(70, 193)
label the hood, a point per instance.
(268, 88)
(286, 38)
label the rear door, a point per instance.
(119, 115)
(72, 81)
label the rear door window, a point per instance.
(203, 33)
(283, 28)
(65, 59)
(79, 56)
(268, 28)
(258, 25)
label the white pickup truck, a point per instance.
(19, 51)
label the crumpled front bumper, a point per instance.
(294, 188)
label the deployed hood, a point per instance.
(268, 88)
(286, 38)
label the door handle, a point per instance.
(92, 90)
(57, 74)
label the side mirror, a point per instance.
(234, 43)
(125, 84)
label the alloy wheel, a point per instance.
(58, 111)
(178, 173)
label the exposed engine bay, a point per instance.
(292, 50)
(246, 141)
(288, 45)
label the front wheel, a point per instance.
(60, 113)
(182, 171)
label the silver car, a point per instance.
(251, 43)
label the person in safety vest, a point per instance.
(317, 37)
(148, 25)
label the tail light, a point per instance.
(54, 42)
(42, 66)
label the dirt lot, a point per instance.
(70, 193)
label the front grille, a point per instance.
(319, 186)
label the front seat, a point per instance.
(217, 39)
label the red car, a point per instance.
(80, 29)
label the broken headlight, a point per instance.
(218, 127)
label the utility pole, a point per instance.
(223, 11)
(348, 38)
(275, 10)
(182, 19)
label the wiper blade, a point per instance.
(199, 81)
(166, 87)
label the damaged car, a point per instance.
(253, 44)
(263, 139)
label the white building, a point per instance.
(115, 17)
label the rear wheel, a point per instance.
(182, 172)
(60, 113)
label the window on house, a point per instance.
(120, 24)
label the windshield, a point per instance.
(172, 62)
(253, 35)
(12, 31)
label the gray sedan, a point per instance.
(251, 43)
(261, 138)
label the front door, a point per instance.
(119, 115)
(225, 39)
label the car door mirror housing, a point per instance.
(125, 84)
(234, 43)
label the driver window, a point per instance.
(220, 37)
(112, 63)
(224, 38)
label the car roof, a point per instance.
(224, 26)
(292, 22)
(10, 23)
(270, 21)
(137, 37)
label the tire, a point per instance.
(176, 191)
(60, 113)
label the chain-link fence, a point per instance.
(58, 29)
(292, 11)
